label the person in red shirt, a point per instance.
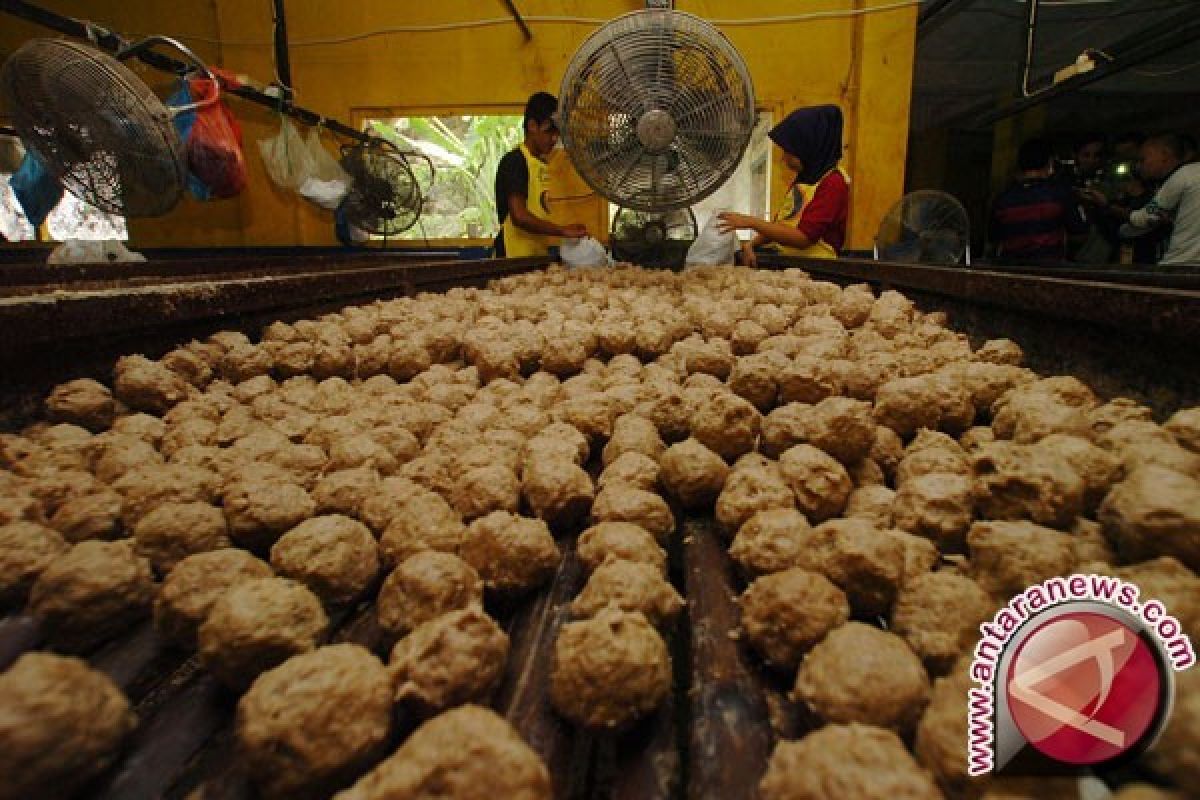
(812, 220)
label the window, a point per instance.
(465, 150)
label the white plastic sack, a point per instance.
(329, 183)
(712, 248)
(287, 158)
(584, 252)
(92, 251)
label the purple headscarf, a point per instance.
(813, 135)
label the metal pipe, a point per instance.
(516, 15)
(1030, 39)
(283, 63)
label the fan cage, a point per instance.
(656, 109)
(385, 197)
(926, 227)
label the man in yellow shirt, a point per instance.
(522, 180)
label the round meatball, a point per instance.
(633, 434)
(842, 427)
(1029, 416)
(469, 753)
(859, 761)
(645, 509)
(1154, 512)
(512, 554)
(146, 385)
(771, 541)
(820, 484)
(557, 490)
(82, 402)
(754, 379)
(937, 505)
(784, 614)
(482, 490)
(362, 450)
(1009, 557)
(1000, 351)
(335, 556)
(862, 674)
(193, 586)
(908, 404)
(692, 473)
(941, 742)
(92, 592)
(259, 511)
(629, 586)
(174, 531)
(727, 425)
(622, 540)
(346, 491)
(314, 721)
(872, 503)
(920, 554)
(63, 724)
(808, 380)
(864, 562)
(256, 625)
(1013, 481)
(96, 515)
(887, 450)
(609, 671)
(146, 488)
(458, 657)
(1184, 425)
(930, 454)
(750, 490)
(26, 550)
(920, 617)
(426, 585)
(634, 470)
(422, 521)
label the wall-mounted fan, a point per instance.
(925, 227)
(96, 126)
(653, 238)
(385, 196)
(656, 109)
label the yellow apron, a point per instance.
(520, 243)
(798, 196)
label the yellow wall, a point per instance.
(863, 63)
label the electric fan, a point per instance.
(925, 227)
(96, 126)
(656, 109)
(385, 197)
(653, 238)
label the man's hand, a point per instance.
(575, 230)
(749, 257)
(731, 221)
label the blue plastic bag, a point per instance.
(36, 190)
(183, 126)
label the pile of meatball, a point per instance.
(883, 485)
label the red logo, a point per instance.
(1084, 688)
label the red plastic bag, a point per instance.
(214, 144)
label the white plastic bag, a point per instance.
(712, 248)
(328, 183)
(287, 158)
(92, 251)
(584, 252)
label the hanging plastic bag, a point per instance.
(214, 144)
(183, 126)
(289, 162)
(35, 189)
(583, 252)
(712, 248)
(328, 184)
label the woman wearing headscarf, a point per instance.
(812, 219)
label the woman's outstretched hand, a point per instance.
(731, 221)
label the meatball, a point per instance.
(920, 554)
(557, 490)
(422, 521)
(512, 554)
(820, 484)
(864, 562)
(1185, 427)
(859, 761)
(808, 380)
(941, 742)
(908, 404)
(307, 725)
(424, 586)
(629, 586)
(146, 488)
(1000, 351)
(362, 450)
(83, 402)
(1013, 481)
(645, 509)
(634, 470)
(63, 724)
(174, 531)
(259, 511)
(256, 625)
(727, 425)
(786, 613)
(193, 586)
(750, 490)
(872, 503)
(862, 674)
(334, 556)
(842, 427)
(754, 379)
(1154, 511)
(346, 491)
(146, 385)
(771, 541)
(26, 550)
(92, 592)
(692, 473)
(456, 658)
(1098, 468)
(932, 453)
(609, 671)
(921, 617)
(1029, 416)
(1009, 557)
(633, 434)
(622, 540)
(937, 505)
(469, 753)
